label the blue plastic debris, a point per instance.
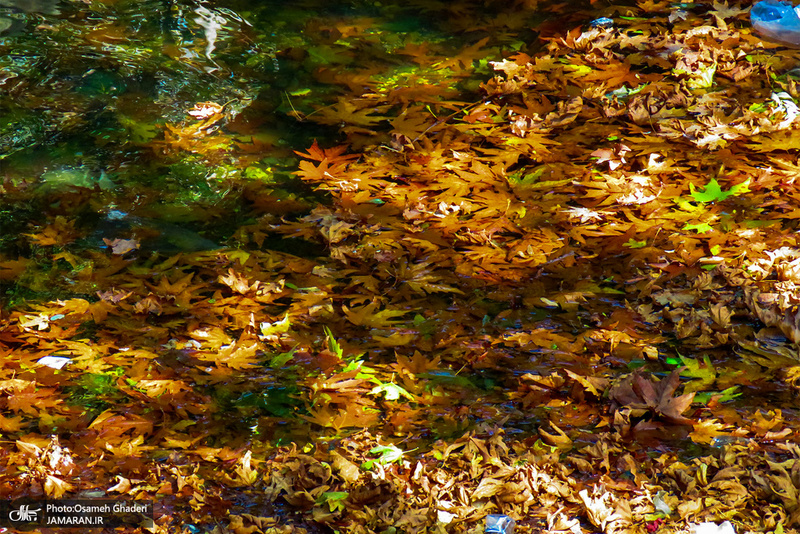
(777, 20)
(499, 524)
(602, 22)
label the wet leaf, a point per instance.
(714, 193)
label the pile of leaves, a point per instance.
(571, 300)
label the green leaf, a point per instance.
(713, 192)
(758, 224)
(632, 243)
(446, 377)
(256, 173)
(624, 92)
(694, 369)
(700, 227)
(703, 373)
(364, 372)
(279, 360)
(334, 499)
(721, 396)
(388, 454)
(729, 394)
(333, 345)
(138, 132)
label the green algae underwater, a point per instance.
(392, 267)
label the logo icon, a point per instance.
(24, 513)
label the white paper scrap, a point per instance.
(712, 528)
(54, 362)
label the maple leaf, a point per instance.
(704, 373)
(332, 163)
(213, 337)
(238, 283)
(601, 509)
(246, 475)
(346, 112)
(418, 51)
(700, 228)
(11, 424)
(61, 232)
(238, 355)
(465, 57)
(149, 304)
(353, 416)
(511, 68)
(713, 192)
(411, 123)
(418, 363)
(31, 400)
(723, 11)
(488, 487)
(585, 214)
(560, 440)
(55, 487)
(123, 486)
(156, 388)
(422, 280)
(387, 454)
(614, 157)
(370, 316)
(639, 395)
(109, 424)
(316, 173)
(11, 269)
(40, 321)
(706, 431)
(594, 385)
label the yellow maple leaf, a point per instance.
(11, 424)
(706, 430)
(724, 11)
(246, 475)
(372, 317)
(55, 487)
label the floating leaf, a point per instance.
(712, 192)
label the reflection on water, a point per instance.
(210, 22)
(97, 83)
(47, 7)
(94, 100)
(10, 21)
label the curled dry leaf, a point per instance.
(639, 395)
